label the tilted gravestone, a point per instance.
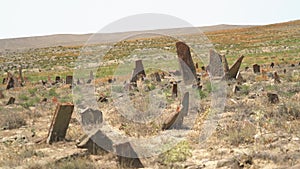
(60, 122)
(256, 68)
(233, 71)
(127, 157)
(186, 62)
(69, 79)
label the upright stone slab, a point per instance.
(276, 78)
(225, 63)
(11, 83)
(256, 68)
(60, 122)
(138, 71)
(91, 75)
(1, 94)
(157, 77)
(69, 79)
(11, 101)
(233, 71)
(174, 90)
(96, 142)
(127, 157)
(215, 67)
(57, 79)
(183, 112)
(20, 74)
(186, 62)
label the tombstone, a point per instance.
(96, 143)
(186, 62)
(273, 98)
(235, 89)
(91, 117)
(11, 83)
(57, 79)
(215, 67)
(109, 80)
(44, 82)
(196, 65)
(60, 122)
(225, 63)
(69, 79)
(44, 100)
(233, 71)
(4, 81)
(292, 65)
(246, 68)
(276, 78)
(78, 82)
(256, 68)
(182, 113)
(284, 71)
(89, 81)
(272, 65)
(1, 94)
(138, 70)
(11, 101)
(174, 90)
(157, 77)
(127, 157)
(203, 68)
(20, 74)
(91, 75)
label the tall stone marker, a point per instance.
(233, 71)
(256, 68)
(186, 63)
(215, 67)
(60, 122)
(69, 79)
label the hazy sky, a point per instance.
(21, 18)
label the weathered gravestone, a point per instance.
(127, 157)
(233, 71)
(256, 68)
(276, 78)
(138, 71)
(96, 142)
(215, 67)
(272, 65)
(69, 79)
(91, 117)
(11, 82)
(186, 62)
(157, 77)
(174, 90)
(273, 98)
(1, 94)
(57, 79)
(11, 101)
(60, 122)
